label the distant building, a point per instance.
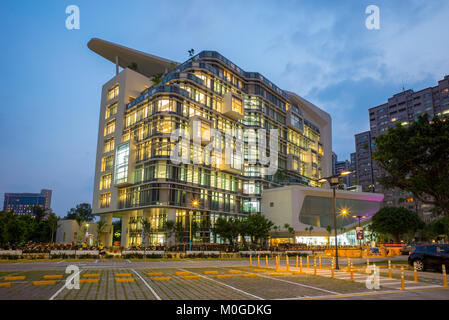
(23, 203)
(364, 165)
(69, 231)
(339, 166)
(334, 162)
(403, 108)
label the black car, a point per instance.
(429, 256)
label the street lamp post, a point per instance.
(334, 181)
(195, 204)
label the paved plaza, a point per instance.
(191, 279)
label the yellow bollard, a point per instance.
(307, 262)
(250, 260)
(300, 264)
(415, 272)
(352, 273)
(320, 262)
(402, 279)
(314, 266)
(332, 270)
(258, 261)
(266, 261)
(444, 276)
(296, 261)
(286, 263)
(389, 270)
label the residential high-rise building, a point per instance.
(403, 108)
(339, 166)
(363, 162)
(153, 106)
(23, 203)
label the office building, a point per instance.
(153, 98)
(23, 203)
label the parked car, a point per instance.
(429, 256)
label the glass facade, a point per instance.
(205, 88)
(121, 163)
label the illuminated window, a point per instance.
(110, 110)
(105, 200)
(113, 92)
(108, 145)
(109, 128)
(125, 137)
(121, 163)
(237, 105)
(105, 181)
(166, 105)
(161, 170)
(106, 162)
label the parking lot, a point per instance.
(198, 280)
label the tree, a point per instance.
(83, 210)
(52, 221)
(290, 230)
(179, 231)
(395, 221)
(260, 227)
(191, 52)
(38, 213)
(227, 229)
(416, 159)
(310, 230)
(329, 233)
(117, 230)
(169, 228)
(156, 78)
(146, 230)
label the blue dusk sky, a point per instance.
(51, 82)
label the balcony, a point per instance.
(232, 106)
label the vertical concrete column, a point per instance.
(106, 236)
(125, 230)
(171, 215)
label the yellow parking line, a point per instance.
(5, 284)
(161, 278)
(53, 276)
(44, 283)
(14, 278)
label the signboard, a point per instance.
(359, 232)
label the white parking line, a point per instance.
(298, 284)
(224, 284)
(421, 287)
(148, 286)
(65, 283)
(60, 262)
